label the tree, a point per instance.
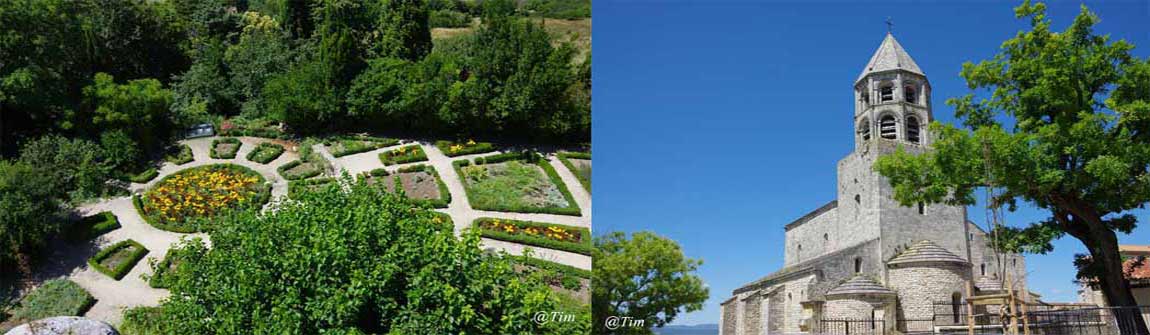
(74, 169)
(262, 52)
(1078, 146)
(303, 99)
(353, 262)
(27, 211)
(139, 107)
(403, 30)
(646, 278)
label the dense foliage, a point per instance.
(346, 262)
(28, 212)
(1064, 128)
(645, 277)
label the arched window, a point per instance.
(955, 306)
(886, 92)
(887, 127)
(826, 237)
(864, 129)
(983, 266)
(912, 129)
(910, 94)
(858, 264)
(865, 97)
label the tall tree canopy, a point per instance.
(645, 277)
(1066, 128)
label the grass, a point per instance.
(581, 173)
(92, 226)
(514, 187)
(452, 149)
(407, 154)
(297, 187)
(181, 155)
(539, 234)
(57, 297)
(144, 177)
(220, 149)
(343, 146)
(118, 259)
(297, 170)
(265, 153)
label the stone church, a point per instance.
(864, 256)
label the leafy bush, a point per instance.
(343, 146)
(265, 153)
(145, 176)
(181, 156)
(124, 259)
(57, 297)
(584, 175)
(507, 191)
(407, 276)
(297, 187)
(225, 154)
(92, 226)
(30, 210)
(407, 154)
(165, 271)
(296, 170)
(560, 9)
(556, 274)
(448, 19)
(452, 149)
(546, 235)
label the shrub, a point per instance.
(448, 19)
(128, 259)
(265, 153)
(226, 154)
(584, 175)
(297, 187)
(92, 226)
(182, 155)
(452, 149)
(145, 176)
(546, 235)
(164, 271)
(57, 297)
(293, 171)
(564, 275)
(407, 154)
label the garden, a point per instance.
(420, 183)
(452, 148)
(225, 148)
(579, 163)
(545, 235)
(118, 259)
(92, 226)
(57, 297)
(182, 201)
(401, 155)
(349, 145)
(265, 153)
(515, 182)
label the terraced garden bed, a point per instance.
(515, 182)
(420, 183)
(118, 259)
(539, 234)
(401, 155)
(225, 148)
(265, 153)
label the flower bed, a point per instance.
(581, 171)
(56, 297)
(182, 201)
(407, 154)
(182, 154)
(297, 187)
(452, 149)
(265, 153)
(526, 183)
(296, 170)
(92, 226)
(343, 146)
(545, 235)
(225, 148)
(115, 261)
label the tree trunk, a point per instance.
(1103, 246)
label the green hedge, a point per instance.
(161, 278)
(584, 247)
(305, 175)
(529, 157)
(225, 140)
(412, 153)
(444, 194)
(123, 268)
(563, 156)
(357, 144)
(92, 226)
(181, 157)
(145, 176)
(465, 148)
(57, 297)
(296, 187)
(265, 153)
(256, 132)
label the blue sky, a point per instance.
(716, 123)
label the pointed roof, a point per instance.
(926, 251)
(889, 56)
(857, 285)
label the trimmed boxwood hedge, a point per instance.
(528, 157)
(583, 248)
(92, 226)
(265, 153)
(225, 140)
(413, 153)
(355, 144)
(284, 168)
(444, 194)
(56, 297)
(563, 156)
(181, 157)
(145, 176)
(121, 270)
(297, 187)
(467, 149)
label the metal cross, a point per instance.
(889, 24)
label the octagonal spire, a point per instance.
(889, 56)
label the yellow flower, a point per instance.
(470, 142)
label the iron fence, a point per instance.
(849, 327)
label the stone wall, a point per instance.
(729, 318)
(850, 308)
(920, 285)
(982, 255)
(752, 321)
(793, 293)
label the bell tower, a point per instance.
(892, 99)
